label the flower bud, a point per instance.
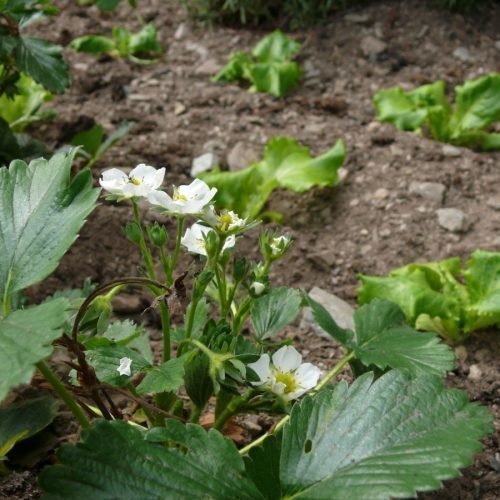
(132, 232)
(158, 235)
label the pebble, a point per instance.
(182, 31)
(381, 194)
(340, 310)
(372, 46)
(451, 151)
(452, 219)
(475, 372)
(203, 163)
(433, 191)
(383, 135)
(463, 54)
(127, 304)
(396, 150)
(358, 18)
(242, 155)
(179, 109)
(208, 68)
(494, 202)
(310, 70)
(385, 233)
(497, 44)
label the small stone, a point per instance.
(385, 233)
(354, 202)
(475, 372)
(381, 194)
(242, 155)
(463, 54)
(383, 135)
(433, 191)
(214, 146)
(451, 151)
(497, 44)
(179, 109)
(452, 219)
(127, 304)
(339, 310)
(182, 31)
(396, 150)
(372, 47)
(358, 18)
(316, 128)
(494, 202)
(310, 70)
(203, 163)
(208, 68)
(325, 259)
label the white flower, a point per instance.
(124, 368)
(278, 244)
(257, 287)
(186, 200)
(229, 220)
(286, 376)
(142, 180)
(194, 239)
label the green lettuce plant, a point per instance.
(221, 354)
(268, 68)
(442, 296)
(140, 47)
(477, 107)
(286, 165)
(107, 5)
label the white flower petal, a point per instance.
(278, 388)
(160, 199)
(194, 240)
(230, 242)
(307, 375)
(257, 287)
(124, 367)
(262, 369)
(287, 359)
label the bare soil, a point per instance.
(369, 223)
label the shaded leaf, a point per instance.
(167, 377)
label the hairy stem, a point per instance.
(232, 408)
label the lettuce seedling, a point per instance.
(141, 47)
(441, 296)
(286, 164)
(106, 5)
(268, 68)
(477, 107)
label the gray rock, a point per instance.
(182, 31)
(451, 151)
(310, 70)
(497, 44)
(214, 146)
(372, 46)
(242, 155)
(475, 373)
(358, 18)
(463, 54)
(494, 202)
(208, 68)
(452, 219)
(179, 109)
(340, 311)
(203, 163)
(433, 191)
(381, 194)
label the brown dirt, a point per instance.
(369, 223)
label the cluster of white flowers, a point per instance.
(194, 199)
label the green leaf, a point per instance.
(24, 107)
(167, 377)
(276, 47)
(477, 104)
(238, 68)
(383, 339)
(23, 420)
(276, 78)
(197, 380)
(144, 43)
(26, 337)
(9, 147)
(42, 61)
(93, 44)
(272, 312)
(106, 359)
(206, 466)
(107, 5)
(42, 212)
(90, 139)
(378, 440)
(262, 465)
(285, 164)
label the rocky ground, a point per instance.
(403, 198)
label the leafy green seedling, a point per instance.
(140, 47)
(441, 296)
(95, 145)
(268, 68)
(286, 164)
(477, 107)
(107, 5)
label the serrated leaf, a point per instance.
(23, 420)
(129, 467)
(106, 359)
(167, 377)
(42, 61)
(272, 312)
(26, 337)
(42, 212)
(378, 440)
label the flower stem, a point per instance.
(63, 393)
(195, 414)
(146, 254)
(231, 409)
(175, 257)
(165, 324)
(334, 371)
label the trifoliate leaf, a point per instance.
(167, 377)
(272, 312)
(23, 420)
(202, 465)
(379, 440)
(42, 212)
(26, 337)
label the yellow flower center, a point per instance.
(135, 181)
(178, 196)
(225, 221)
(288, 379)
